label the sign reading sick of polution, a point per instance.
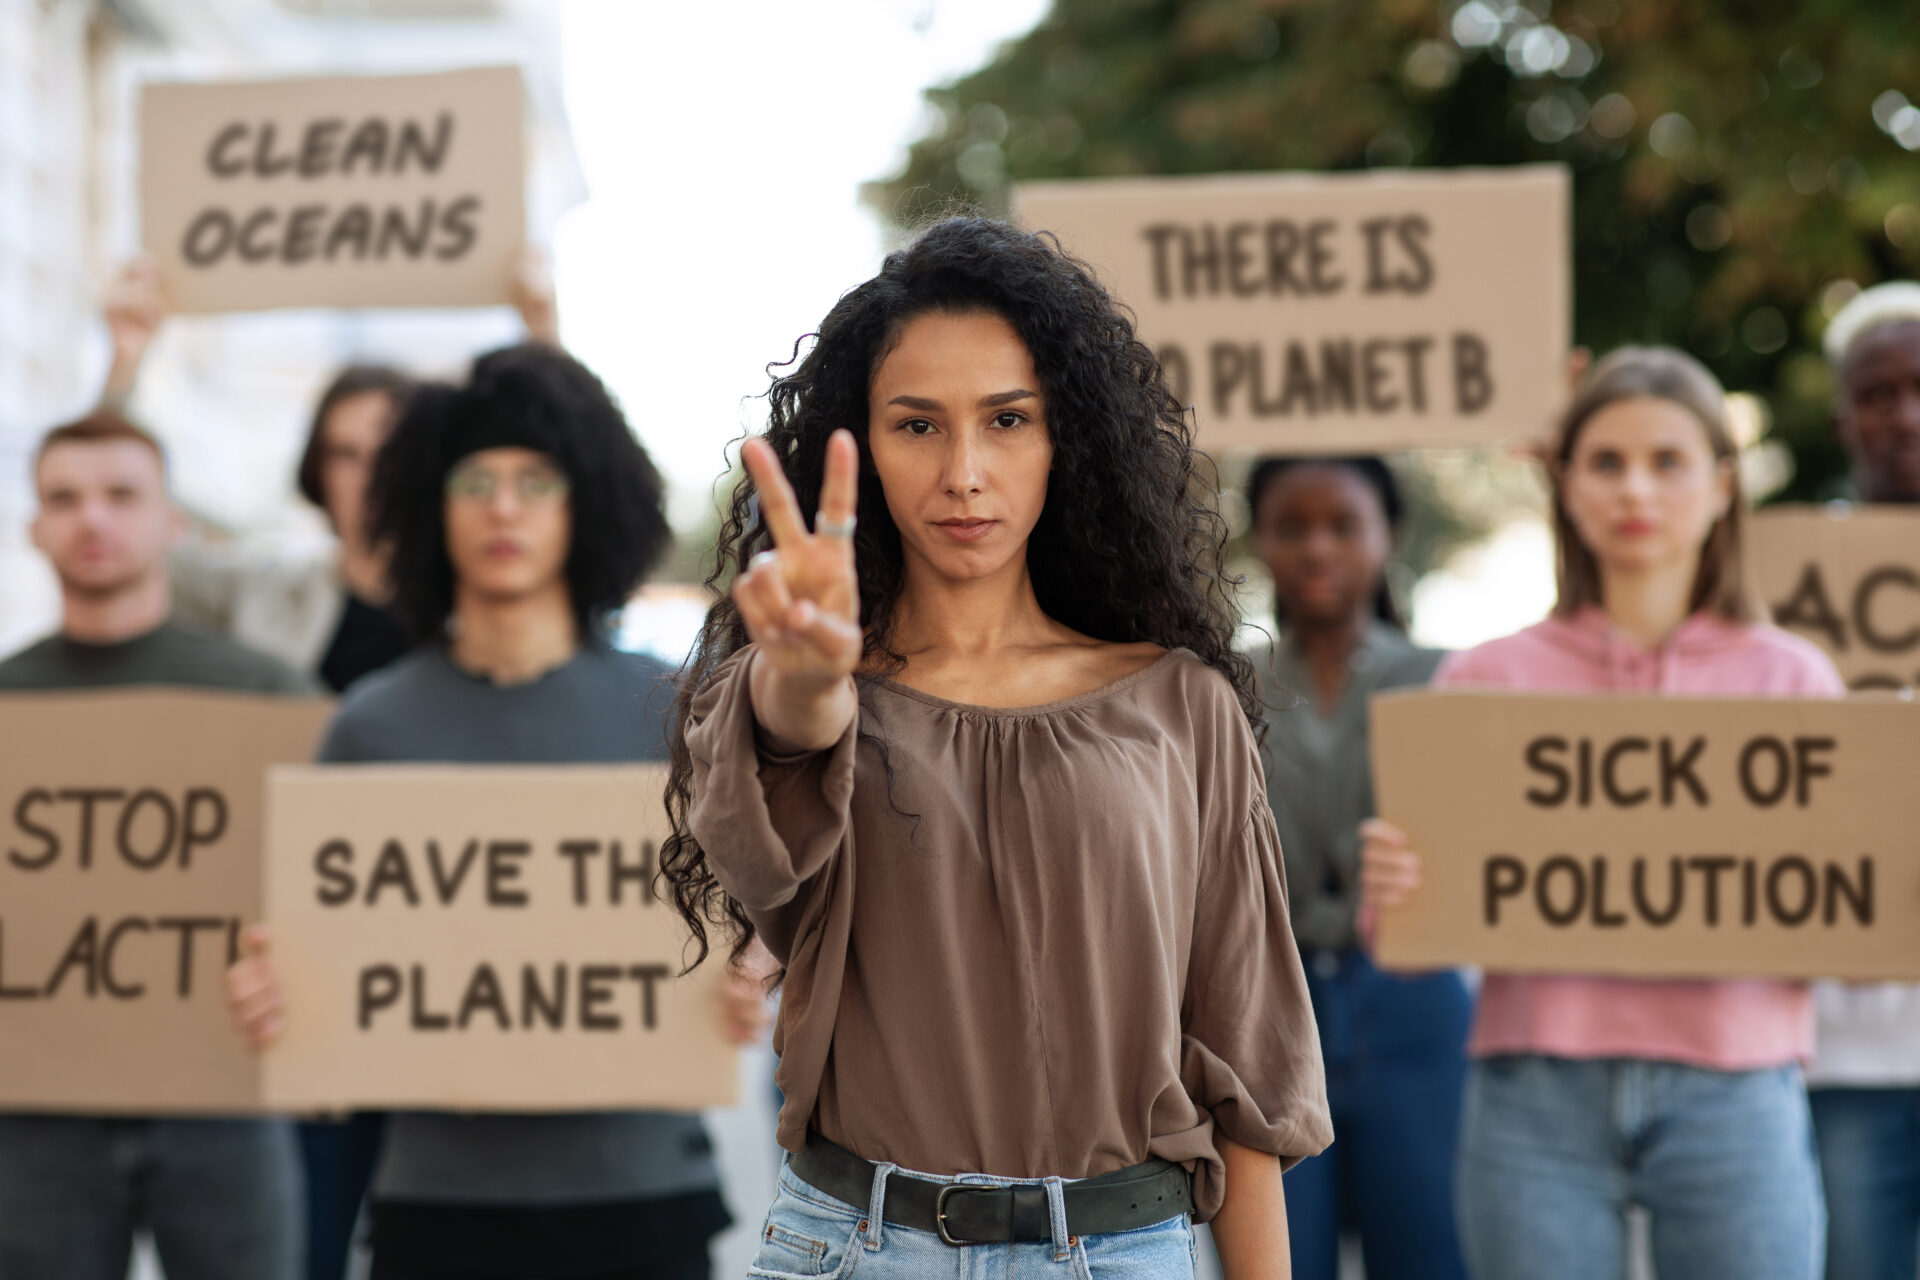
(1654, 836)
(484, 938)
(1337, 312)
(339, 191)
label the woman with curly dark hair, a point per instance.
(521, 512)
(982, 773)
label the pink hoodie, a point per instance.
(1725, 1025)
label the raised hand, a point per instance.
(135, 305)
(800, 601)
(533, 296)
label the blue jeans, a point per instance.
(1395, 1049)
(1870, 1161)
(809, 1234)
(221, 1197)
(1554, 1150)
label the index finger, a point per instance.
(778, 507)
(840, 493)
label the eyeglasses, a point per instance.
(532, 485)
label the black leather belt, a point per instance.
(964, 1213)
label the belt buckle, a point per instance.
(940, 1213)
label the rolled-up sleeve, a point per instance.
(1250, 1053)
(768, 823)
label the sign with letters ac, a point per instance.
(484, 938)
(1657, 837)
(350, 191)
(1848, 579)
(129, 862)
(1339, 312)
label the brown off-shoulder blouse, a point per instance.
(1029, 941)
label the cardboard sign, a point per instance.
(1339, 312)
(394, 191)
(1661, 837)
(1848, 579)
(129, 862)
(484, 938)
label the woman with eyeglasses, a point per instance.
(521, 513)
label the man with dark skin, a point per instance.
(1864, 1083)
(1876, 366)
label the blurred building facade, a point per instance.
(229, 395)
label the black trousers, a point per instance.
(657, 1239)
(693, 1268)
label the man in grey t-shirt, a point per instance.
(220, 1196)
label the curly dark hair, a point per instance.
(1129, 546)
(1375, 473)
(531, 396)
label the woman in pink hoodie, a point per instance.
(1587, 1095)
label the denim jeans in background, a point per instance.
(1396, 1055)
(1869, 1142)
(221, 1197)
(1554, 1150)
(810, 1234)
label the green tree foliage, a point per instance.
(1740, 165)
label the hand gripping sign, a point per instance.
(484, 938)
(1659, 837)
(348, 191)
(1338, 312)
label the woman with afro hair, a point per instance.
(975, 757)
(519, 513)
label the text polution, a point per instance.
(1714, 888)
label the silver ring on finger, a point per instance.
(826, 528)
(764, 560)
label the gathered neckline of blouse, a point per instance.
(1037, 709)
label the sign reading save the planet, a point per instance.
(345, 191)
(484, 938)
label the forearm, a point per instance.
(803, 714)
(122, 376)
(1250, 1231)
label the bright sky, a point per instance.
(724, 146)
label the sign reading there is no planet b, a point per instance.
(392, 191)
(1323, 313)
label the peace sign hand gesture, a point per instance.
(801, 601)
